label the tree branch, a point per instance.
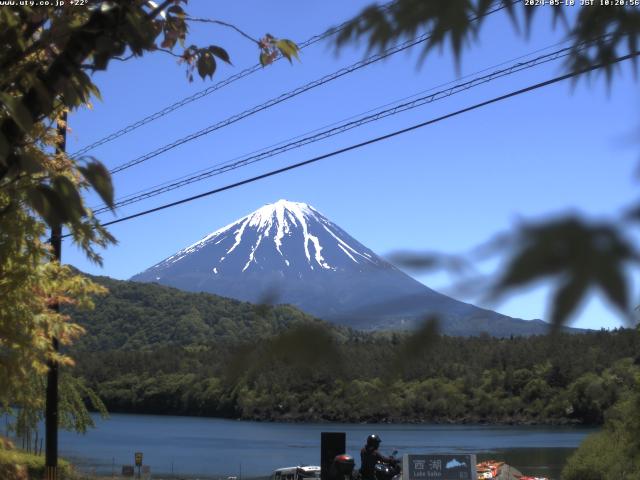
(224, 24)
(77, 49)
(123, 59)
(165, 50)
(88, 66)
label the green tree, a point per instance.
(28, 286)
(46, 63)
(614, 452)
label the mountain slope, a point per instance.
(290, 253)
(138, 316)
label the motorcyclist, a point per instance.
(369, 456)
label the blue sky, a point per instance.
(447, 187)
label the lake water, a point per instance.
(207, 447)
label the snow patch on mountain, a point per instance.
(276, 222)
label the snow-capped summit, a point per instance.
(288, 227)
(291, 251)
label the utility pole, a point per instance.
(51, 409)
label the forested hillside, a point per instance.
(145, 316)
(224, 358)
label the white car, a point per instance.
(296, 473)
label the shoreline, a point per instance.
(306, 419)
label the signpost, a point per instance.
(138, 456)
(439, 467)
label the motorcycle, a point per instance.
(342, 468)
(389, 471)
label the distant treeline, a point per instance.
(310, 372)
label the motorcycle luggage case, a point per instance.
(344, 464)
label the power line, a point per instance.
(292, 93)
(341, 128)
(319, 129)
(387, 136)
(207, 91)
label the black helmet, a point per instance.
(373, 440)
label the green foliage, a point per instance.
(271, 47)
(154, 349)
(75, 397)
(598, 458)
(28, 286)
(19, 465)
(100, 179)
(144, 316)
(614, 452)
(580, 255)
(266, 387)
(204, 60)
(457, 23)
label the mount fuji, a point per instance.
(288, 252)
